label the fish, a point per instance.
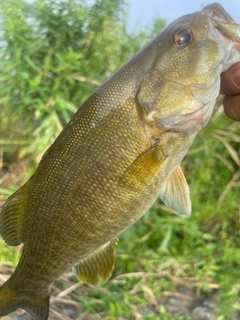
(121, 150)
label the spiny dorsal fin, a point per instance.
(175, 193)
(97, 268)
(12, 216)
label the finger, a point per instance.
(232, 106)
(230, 80)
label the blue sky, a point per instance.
(141, 12)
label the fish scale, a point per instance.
(69, 219)
(122, 149)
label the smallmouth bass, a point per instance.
(120, 151)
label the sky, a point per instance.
(142, 12)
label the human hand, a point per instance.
(230, 86)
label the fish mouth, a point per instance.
(216, 11)
(223, 22)
(225, 32)
(188, 122)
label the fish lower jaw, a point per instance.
(187, 122)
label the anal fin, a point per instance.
(97, 268)
(12, 216)
(175, 193)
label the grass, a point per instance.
(164, 256)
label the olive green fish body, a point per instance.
(120, 151)
(102, 194)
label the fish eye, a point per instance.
(183, 37)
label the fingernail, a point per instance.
(235, 76)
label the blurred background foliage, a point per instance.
(53, 55)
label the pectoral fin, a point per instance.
(145, 167)
(98, 267)
(175, 193)
(12, 216)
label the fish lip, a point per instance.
(189, 122)
(223, 22)
(216, 11)
(229, 31)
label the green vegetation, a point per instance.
(53, 55)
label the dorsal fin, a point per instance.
(97, 268)
(12, 216)
(175, 193)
